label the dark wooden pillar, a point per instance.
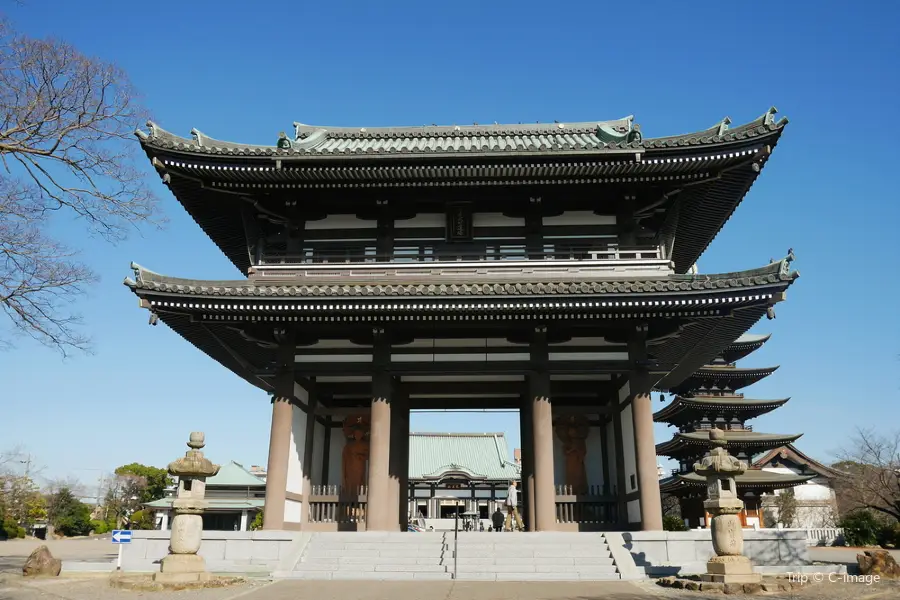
(640, 385)
(604, 458)
(620, 489)
(312, 404)
(326, 450)
(379, 515)
(384, 244)
(399, 462)
(280, 434)
(526, 434)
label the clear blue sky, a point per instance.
(245, 71)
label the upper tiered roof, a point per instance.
(682, 411)
(705, 174)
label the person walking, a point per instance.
(497, 520)
(512, 508)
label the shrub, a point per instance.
(142, 519)
(673, 523)
(890, 535)
(20, 532)
(9, 529)
(257, 522)
(99, 526)
(861, 528)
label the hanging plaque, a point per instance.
(459, 222)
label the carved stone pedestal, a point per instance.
(730, 569)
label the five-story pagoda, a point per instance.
(711, 398)
(547, 268)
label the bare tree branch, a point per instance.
(872, 465)
(66, 123)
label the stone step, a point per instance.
(356, 560)
(372, 546)
(389, 553)
(363, 575)
(377, 567)
(512, 560)
(390, 537)
(528, 553)
(545, 547)
(536, 577)
(534, 569)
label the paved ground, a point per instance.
(13, 587)
(839, 555)
(97, 589)
(14, 552)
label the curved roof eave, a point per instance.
(524, 140)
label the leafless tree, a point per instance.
(872, 466)
(65, 149)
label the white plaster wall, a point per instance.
(580, 217)
(338, 441)
(496, 220)
(593, 462)
(341, 222)
(634, 511)
(292, 510)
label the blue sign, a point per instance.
(121, 536)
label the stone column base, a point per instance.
(730, 569)
(183, 564)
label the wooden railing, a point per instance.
(332, 504)
(362, 255)
(594, 509)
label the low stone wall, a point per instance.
(224, 551)
(682, 552)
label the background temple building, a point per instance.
(815, 499)
(235, 497)
(458, 472)
(545, 268)
(710, 398)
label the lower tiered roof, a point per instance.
(752, 480)
(696, 443)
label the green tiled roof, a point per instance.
(234, 474)
(216, 503)
(433, 456)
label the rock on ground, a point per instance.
(41, 562)
(878, 562)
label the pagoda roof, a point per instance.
(722, 377)
(790, 453)
(751, 479)
(708, 311)
(689, 443)
(706, 173)
(681, 410)
(743, 346)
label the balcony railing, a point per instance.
(597, 262)
(488, 253)
(593, 509)
(332, 504)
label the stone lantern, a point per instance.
(720, 468)
(182, 564)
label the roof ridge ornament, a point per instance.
(723, 126)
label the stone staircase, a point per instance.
(481, 556)
(544, 556)
(373, 556)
